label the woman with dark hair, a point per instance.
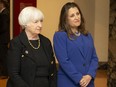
(74, 49)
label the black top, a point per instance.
(21, 66)
(42, 65)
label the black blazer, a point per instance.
(21, 68)
(4, 27)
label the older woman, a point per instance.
(30, 56)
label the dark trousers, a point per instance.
(3, 66)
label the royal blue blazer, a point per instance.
(76, 58)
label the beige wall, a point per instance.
(51, 10)
(102, 28)
(88, 9)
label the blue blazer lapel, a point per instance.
(81, 46)
(85, 43)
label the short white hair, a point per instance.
(29, 14)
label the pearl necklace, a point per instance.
(77, 33)
(33, 46)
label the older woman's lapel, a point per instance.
(26, 47)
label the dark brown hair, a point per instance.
(63, 25)
(5, 3)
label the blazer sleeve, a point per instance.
(13, 64)
(60, 49)
(94, 61)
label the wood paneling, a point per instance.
(3, 82)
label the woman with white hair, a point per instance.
(30, 56)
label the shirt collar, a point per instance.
(2, 10)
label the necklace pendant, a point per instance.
(33, 46)
(77, 33)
